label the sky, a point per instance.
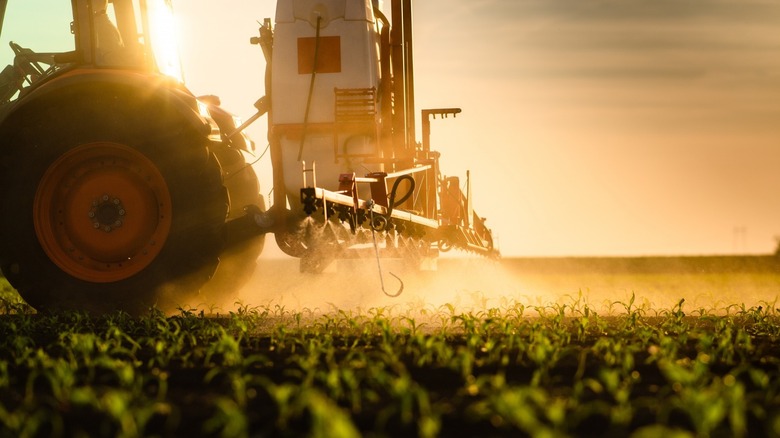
(590, 127)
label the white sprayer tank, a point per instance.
(347, 59)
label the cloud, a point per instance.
(758, 11)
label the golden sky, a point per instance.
(591, 127)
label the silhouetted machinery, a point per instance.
(120, 189)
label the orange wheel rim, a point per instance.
(102, 212)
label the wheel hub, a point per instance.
(107, 213)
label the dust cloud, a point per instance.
(473, 284)
(355, 285)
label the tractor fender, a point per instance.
(150, 87)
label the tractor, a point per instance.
(120, 189)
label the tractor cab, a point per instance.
(50, 37)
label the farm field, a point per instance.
(525, 347)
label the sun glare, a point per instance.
(162, 29)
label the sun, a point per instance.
(163, 34)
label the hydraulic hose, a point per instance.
(393, 191)
(311, 87)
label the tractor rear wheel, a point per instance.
(110, 200)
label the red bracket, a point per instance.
(348, 186)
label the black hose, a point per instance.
(311, 87)
(381, 16)
(393, 203)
